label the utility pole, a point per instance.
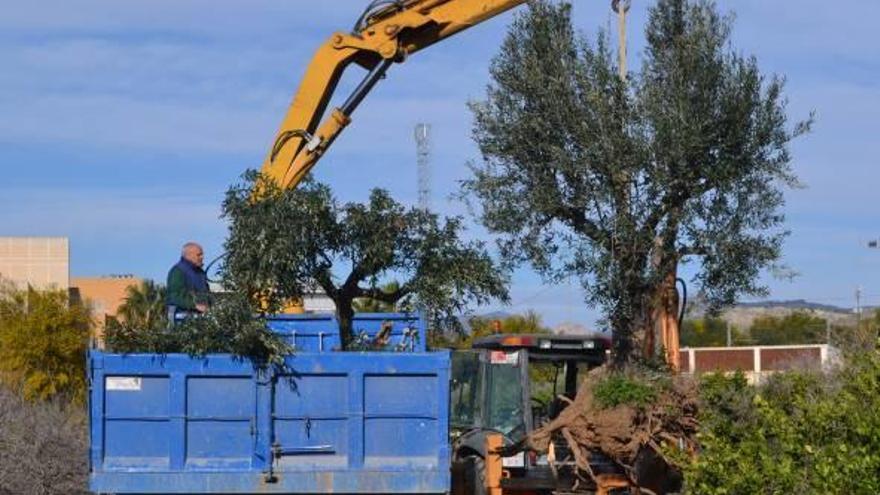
(858, 308)
(827, 331)
(621, 7)
(729, 335)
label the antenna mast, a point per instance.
(423, 149)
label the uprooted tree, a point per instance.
(619, 182)
(294, 241)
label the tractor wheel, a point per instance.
(477, 475)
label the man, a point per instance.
(187, 289)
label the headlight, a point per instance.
(589, 344)
(544, 344)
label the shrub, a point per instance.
(43, 340)
(801, 432)
(621, 389)
(43, 447)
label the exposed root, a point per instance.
(636, 438)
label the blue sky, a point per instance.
(122, 124)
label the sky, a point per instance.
(123, 123)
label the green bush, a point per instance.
(801, 432)
(621, 389)
(43, 341)
(799, 327)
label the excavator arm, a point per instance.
(387, 33)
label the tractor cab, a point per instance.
(511, 384)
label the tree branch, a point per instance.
(322, 276)
(693, 250)
(385, 297)
(354, 278)
(578, 220)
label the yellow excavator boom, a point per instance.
(388, 32)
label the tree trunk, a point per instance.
(631, 327)
(661, 333)
(345, 316)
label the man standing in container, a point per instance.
(187, 289)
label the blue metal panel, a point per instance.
(340, 422)
(320, 332)
(353, 482)
(137, 444)
(392, 417)
(384, 397)
(220, 417)
(143, 412)
(150, 400)
(311, 421)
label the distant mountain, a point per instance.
(495, 315)
(744, 314)
(795, 304)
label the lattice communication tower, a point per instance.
(423, 149)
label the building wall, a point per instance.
(318, 303)
(104, 295)
(757, 362)
(41, 262)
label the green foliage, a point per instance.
(801, 432)
(707, 332)
(528, 323)
(624, 389)
(228, 327)
(369, 305)
(863, 336)
(798, 327)
(143, 305)
(295, 240)
(618, 182)
(43, 341)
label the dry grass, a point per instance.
(43, 447)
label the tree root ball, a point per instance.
(645, 422)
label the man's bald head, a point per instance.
(193, 253)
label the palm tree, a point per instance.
(144, 306)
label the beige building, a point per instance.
(41, 262)
(103, 295)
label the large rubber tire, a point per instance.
(477, 475)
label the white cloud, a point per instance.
(205, 76)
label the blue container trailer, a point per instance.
(331, 422)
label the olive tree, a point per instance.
(284, 244)
(619, 182)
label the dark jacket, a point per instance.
(187, 285)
